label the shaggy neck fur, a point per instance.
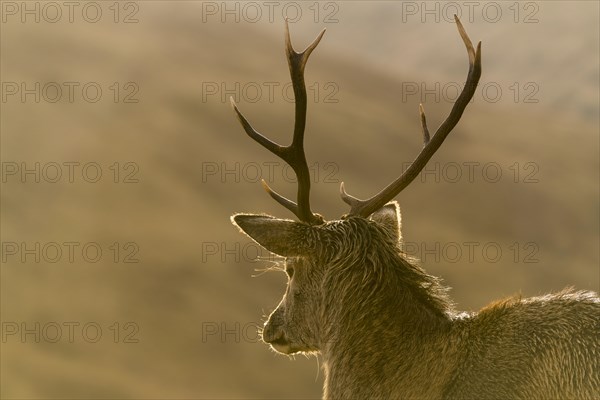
(377, 304)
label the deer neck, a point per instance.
(388, 331)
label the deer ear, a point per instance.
(281, 236)
(388, 217)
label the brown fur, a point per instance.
(386, 329)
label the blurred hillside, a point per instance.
(510, 202)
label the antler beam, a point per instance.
(365, 208)
(294, 153)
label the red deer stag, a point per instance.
(387, 330)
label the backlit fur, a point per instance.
(386, 329)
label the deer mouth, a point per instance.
(281, 345)
(284, 346)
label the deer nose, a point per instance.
(272, 333)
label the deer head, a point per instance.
(330, 263)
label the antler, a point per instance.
(294, 153)
(365, 208)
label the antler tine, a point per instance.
(426, 137)
(365, 208)
(294, 153)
